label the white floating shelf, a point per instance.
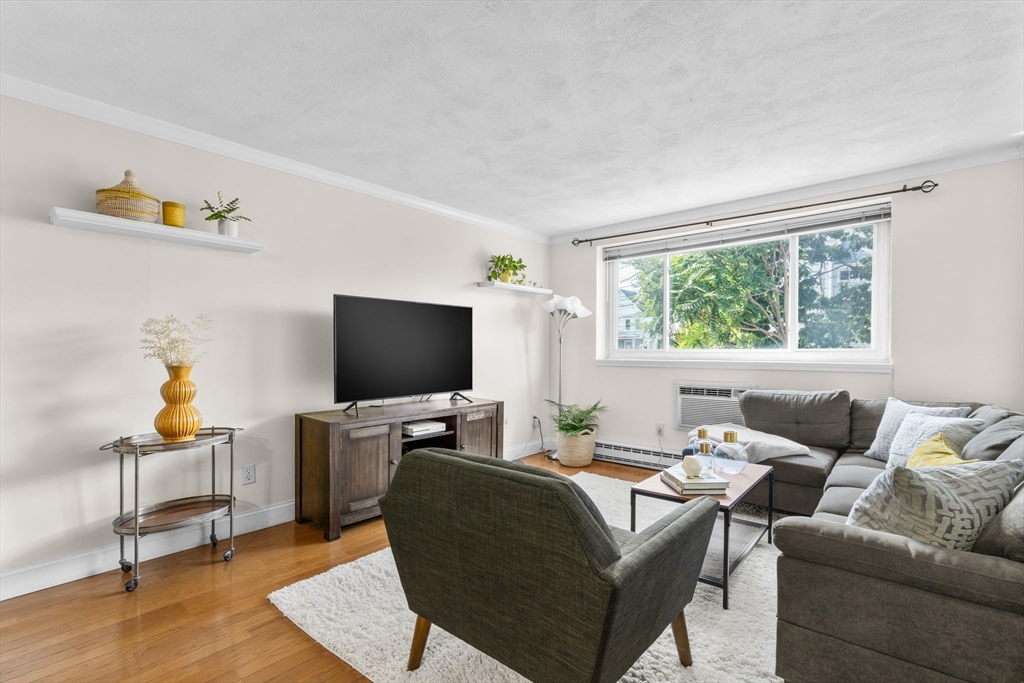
(85, 220)
(516, 288)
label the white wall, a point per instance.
(72, 376)
(957, 312)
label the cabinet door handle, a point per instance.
(394, 462)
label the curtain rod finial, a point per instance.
(927, 186)
(576, 242)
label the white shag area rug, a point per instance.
(358, 611)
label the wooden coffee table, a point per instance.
(726, 549)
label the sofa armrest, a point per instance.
(991, 581)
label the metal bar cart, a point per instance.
(181, 512)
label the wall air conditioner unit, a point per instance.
(700, 403)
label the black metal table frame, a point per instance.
(142, 445)
(727, 522)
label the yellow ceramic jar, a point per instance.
(174, 214)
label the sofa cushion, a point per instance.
(896, 411)
(992, 414)
(807, 470)
(1015, 451)
(859, 460)
(852, 476)
(992, 442)
(919, 427)
(941, 506)
(839, 500)
(829, 517)
(865, 416)
(1003, 536)
(813, 418)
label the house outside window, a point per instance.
(815, 293)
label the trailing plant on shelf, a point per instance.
(507, 268)
(576, 432)
(225, 215)
(176, 345)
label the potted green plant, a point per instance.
(576, 432)
(224, 214)
(504, 267)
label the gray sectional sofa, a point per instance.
(862, 605)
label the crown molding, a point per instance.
(51, 98)
(994, 155)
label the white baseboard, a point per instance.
(33, 577)
(529, 448)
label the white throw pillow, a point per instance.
(942, 506)
(918, 428)
(892, 418)
(757, 445)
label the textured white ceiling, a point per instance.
(552, 116)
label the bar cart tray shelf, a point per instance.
(173, 514)
(154, 443)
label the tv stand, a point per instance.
(457, 395)
(350, 406)
(344, 462)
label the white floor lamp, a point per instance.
(563, 309)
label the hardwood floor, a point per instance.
(195, 617)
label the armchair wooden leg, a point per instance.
(419, 641)
(682, 640)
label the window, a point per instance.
(816, 292)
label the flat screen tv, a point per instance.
(385, 348)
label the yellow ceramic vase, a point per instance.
(179, 420)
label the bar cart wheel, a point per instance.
(228, 555)
(131, 585)
(213, 540)
(126, 566)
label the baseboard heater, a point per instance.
(634, 455)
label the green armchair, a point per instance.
(518, 562)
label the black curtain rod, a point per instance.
(925, 187)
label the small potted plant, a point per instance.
(576, 432)
(224, 214)
(504, 267)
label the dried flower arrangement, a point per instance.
(173, 342)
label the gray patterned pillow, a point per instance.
(942, 506)
(918, 428)
(892, 418)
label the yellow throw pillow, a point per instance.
(935, 452)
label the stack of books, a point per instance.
(707, 483)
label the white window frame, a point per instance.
(873, 359)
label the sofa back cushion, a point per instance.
(812, 418)
(866, 415)
(1003, 536)
(994, 441)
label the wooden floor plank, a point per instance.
(194, 617)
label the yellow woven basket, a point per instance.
(126, 200)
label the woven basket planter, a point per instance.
(126, 200)
(576, 450)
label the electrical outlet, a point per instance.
(249, 474)
(536, 421)
(659, 428)
(506, 422)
